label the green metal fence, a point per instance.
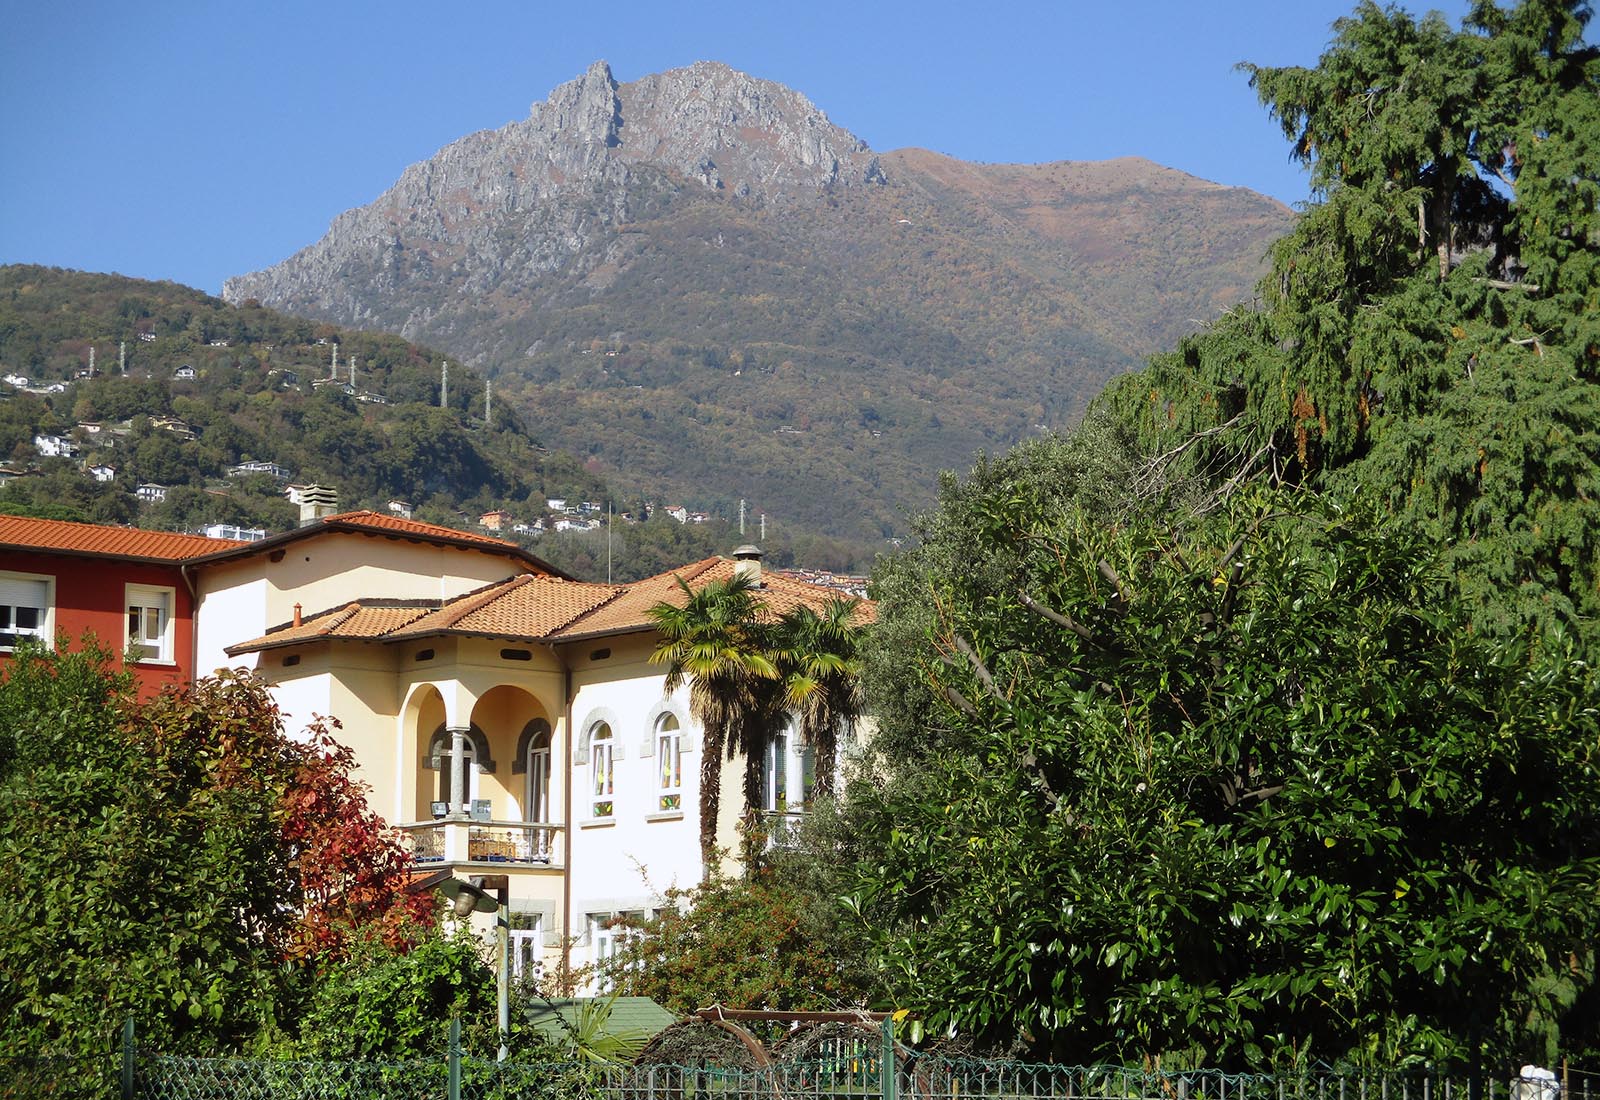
(855, 1068)
(914, 1078)
(858, 1078)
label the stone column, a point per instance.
(458, 770)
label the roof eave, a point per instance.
(101, 555)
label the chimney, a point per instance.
(317, 501)
(297, 610)
(747, 563)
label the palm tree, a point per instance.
(820, 659)
(718, 643)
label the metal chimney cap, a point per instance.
(747, 553)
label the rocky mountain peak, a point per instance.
(522, 200)
(709, 123)
(586, 107)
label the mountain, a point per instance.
(712, 292)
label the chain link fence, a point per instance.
(853, 1077)
(865, 1065)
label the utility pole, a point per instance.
(122, 358)
(488, 403)
(444, 385)
(763, 528)
(352, 372)
(333, 364)
(91, 360)
(741, 517)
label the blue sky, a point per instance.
(193, 141)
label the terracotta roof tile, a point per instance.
(524, 607)
(370, 621)
(630, 611)
(18, 532)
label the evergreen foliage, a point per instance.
(1254, 721)
(1430, 330)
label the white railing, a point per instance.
(461, 841)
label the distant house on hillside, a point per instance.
(401, 508)
(234, 533)
(102, 472)
(245, 469)
(151, 493)
(172, 424)
(184, 372)
(53, 446)
(495, 520)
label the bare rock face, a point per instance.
(519, 201)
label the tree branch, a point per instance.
(978, 666)
(1055, 616)
(959, 701)
(1115, 581)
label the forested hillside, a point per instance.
(209, 386)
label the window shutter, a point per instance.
(16, 592)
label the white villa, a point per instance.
(506, 717)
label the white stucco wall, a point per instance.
(627, 861)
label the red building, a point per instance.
(130, 589)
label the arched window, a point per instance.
(602, 771)
(669, 763)
(534, 756)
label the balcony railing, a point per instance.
(462, 841)
(781, 828)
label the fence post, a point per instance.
(127, 1059)
(455, 1058)
(887, 1074)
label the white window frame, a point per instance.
(669, 764)
(787, 774)
(527, 950)
(148, 598)
(44, 627)
(604, 940)
(536, 786)
(603, 771)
